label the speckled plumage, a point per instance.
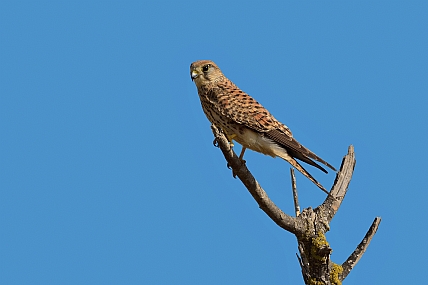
(246, 121)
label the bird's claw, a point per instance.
(230, 167)
(215, 142)
(233, 172)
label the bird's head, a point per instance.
(204, 72)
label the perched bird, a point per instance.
(246, 121)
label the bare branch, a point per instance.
(240, 169)
(333, 201)
(310, 225)
(353, 259)
(345, 174)
(295, 197)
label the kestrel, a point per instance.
(246, 121)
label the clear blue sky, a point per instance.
(108, 174)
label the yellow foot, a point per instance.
(230, 139)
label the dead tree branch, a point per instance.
(240, 169)
(295, 197)
(310, 225)
(353, 259)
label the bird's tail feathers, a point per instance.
(300, 168)
(303, 158)
(308, 155)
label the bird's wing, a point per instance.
(241, 108)
(297, 150)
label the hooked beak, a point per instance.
(194, 74)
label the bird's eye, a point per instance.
(206, 67)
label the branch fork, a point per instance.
(310, 225)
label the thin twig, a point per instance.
(304, 263)
(353, 259)
(295, 197)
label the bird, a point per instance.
(246, 121)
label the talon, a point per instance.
(233, 172)
(215, 142)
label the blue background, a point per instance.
(108, 174)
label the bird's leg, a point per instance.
(241, 156)
(230, 139)
(231, 144)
